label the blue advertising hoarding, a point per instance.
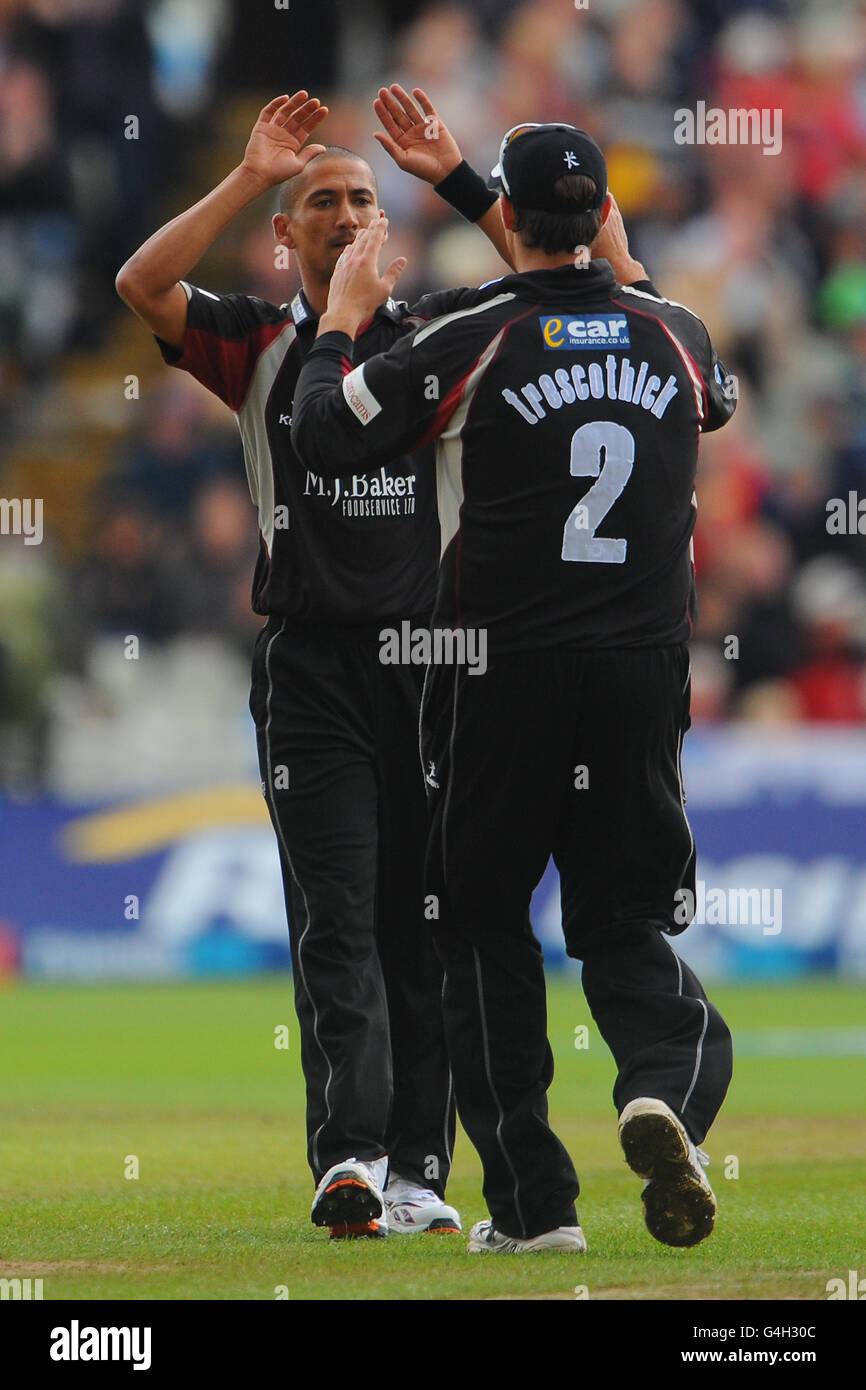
(190, 884)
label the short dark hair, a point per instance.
(288, 190)
(552, 232)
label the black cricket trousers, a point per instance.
(337, 739)
(574, 754)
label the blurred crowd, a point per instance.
(769, 249)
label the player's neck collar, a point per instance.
(597, 275)
(302, 311)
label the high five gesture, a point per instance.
(417, 140)
(274, 151)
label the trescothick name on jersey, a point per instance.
(617, 380)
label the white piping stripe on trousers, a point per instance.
(445, 1136)
(680, 780)
(448, 1151)
(698, 1056)
(424, 781)
(493, 1088)
(679, 966)
(421, 727)
(450, 769)
(281, 837)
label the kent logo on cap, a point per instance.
(532, 157)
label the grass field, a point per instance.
(187, 1079)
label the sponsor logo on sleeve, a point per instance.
(586, 331)
(359, 397)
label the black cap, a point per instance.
(533, 157)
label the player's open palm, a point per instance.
(274, 151)
(357, 287)
(415, 136)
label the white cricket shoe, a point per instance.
(412, 1209)
(349, 1199)
(679, 1204)
(484, 1236)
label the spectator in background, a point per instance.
(38, 238)
(30, 587)
(213, 576)
(178, 448)
(769, 638)
(830, 685)
(95, 56)
(125, 587)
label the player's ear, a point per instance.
(283, 230)
(606, 208)
(506, 207)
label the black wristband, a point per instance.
(467, 192)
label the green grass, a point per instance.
(187, 1078)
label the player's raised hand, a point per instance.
(357, 288)
(274, 150)
(415, 135)
(611, 244)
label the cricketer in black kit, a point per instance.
(568, 412)
(339, 558)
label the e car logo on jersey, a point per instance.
(603, 330)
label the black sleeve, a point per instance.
(718, 385)
(225, 336)
(345, 417)
(439, 302)
(336, 417)
(723, 394)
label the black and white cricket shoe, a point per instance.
(679, 1204)
(350, 1195)
(415, 1210)
(485, 1237)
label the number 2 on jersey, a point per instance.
(603, 450)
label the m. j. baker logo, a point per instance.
(595, 331)
(366, 494)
